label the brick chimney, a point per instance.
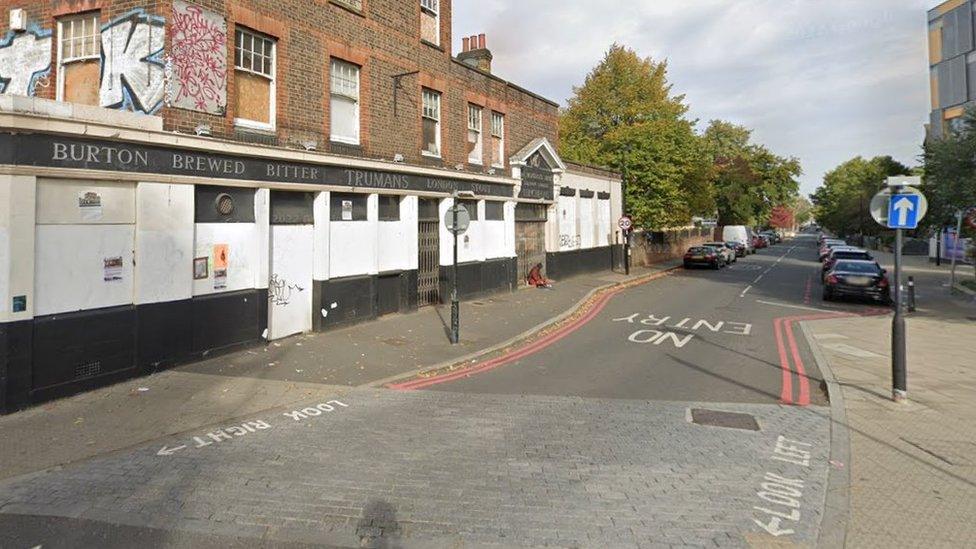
(475, 52)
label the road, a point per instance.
(683, 411)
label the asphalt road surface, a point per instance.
(699, 335)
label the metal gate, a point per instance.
(429, 249)
(530, 247)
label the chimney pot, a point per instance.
(474, 41)
(466, 43)
(481, 41)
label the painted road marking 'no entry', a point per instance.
(663, 334)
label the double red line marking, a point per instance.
(531, 348)
(788, 349)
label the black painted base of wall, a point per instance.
(591, 260)
(480, 278)
(60, 355)
(351, 300)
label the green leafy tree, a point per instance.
(950, 173)
(625, 116)
(750, 180)
(842, 202)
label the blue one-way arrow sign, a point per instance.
(903, 210)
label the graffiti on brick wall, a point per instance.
(25, 61)
(132, 65)
(197, 66)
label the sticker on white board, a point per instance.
(220, 279)
(113, 268)
(90, 205)
(347, 210)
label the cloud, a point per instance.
(822, 80)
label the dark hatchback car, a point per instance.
(857, 279)
(704, 256)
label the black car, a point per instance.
(838, 254)
(738, 247)
(857, 278)
(703, 255)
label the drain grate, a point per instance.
(729, 420)
(90, 369)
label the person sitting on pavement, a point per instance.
(536, 279)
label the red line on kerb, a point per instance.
(529, 349)
(784, 325)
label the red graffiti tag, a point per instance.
(199, 60)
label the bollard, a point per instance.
(911, 294)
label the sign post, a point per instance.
(626, 224)
(457, 220)
(899, 207)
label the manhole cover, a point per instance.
(729, 420)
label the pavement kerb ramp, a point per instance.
(578, 308)
(837, 496)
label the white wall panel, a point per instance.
(509, 230)
(320, 237)
(290, 295)
(164, 242)
(245, 255)
(17, 205)
(586, 222)
(69, 269)
(569, 238)
(58, 202)
(397, 240)
(603, 222)
(353, 244)
(262, 220)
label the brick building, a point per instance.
(179, 177)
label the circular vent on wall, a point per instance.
(224, 204)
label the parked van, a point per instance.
(740, 234)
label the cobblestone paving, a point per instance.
(428, 469)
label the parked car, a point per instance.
(857, 278)
(740, 234)
(728, 254)
(829, 245)
(845, 253)
(737, 247)
(759, 242)
(773, 236)
(702, 255)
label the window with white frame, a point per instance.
(431, 118)
(79, 64)
(475, 141)
(498, 140)
(344, 105)
(430, 21)
(254, 76)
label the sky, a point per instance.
(822, 80)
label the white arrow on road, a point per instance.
(166, 451)
(773, 527)
(904, 206)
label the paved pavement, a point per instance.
(912, 466)
(425, 468)
(236, 384)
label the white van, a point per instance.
(739, 233)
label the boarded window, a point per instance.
(347, 207)
(475, 146)
(472, 207)
(344, 104)
(215, 204)
(431, 117)
(254, 63)
(498, 140)
(530, 212)
(389, 208)
(428, 210)
(430, 26)
(494, 210)
(79, 48)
